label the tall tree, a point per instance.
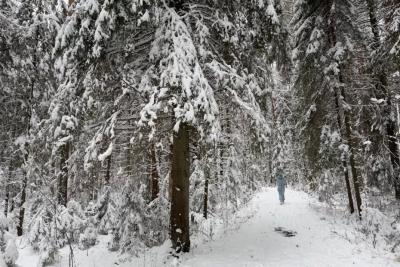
(325, 36)
(387, 61)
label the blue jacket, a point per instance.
(280, 180)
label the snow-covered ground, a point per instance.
(251, 240)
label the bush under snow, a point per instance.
(8, 249)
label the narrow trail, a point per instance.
(256, 243)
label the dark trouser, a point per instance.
(281, 192)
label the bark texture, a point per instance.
(179, 220)
(63, 177)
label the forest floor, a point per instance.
(255, 238)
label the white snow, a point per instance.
(271, 12)
(256, 243)
(251, 241)
(144, 17)
(367, 143)
(107, 153)
(10, 252)
(377, 101)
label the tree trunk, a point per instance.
(154, 177)
(344, 162)
(179, 176)
(6, 201)
(63, 178)
(7, 198)
(350, 142)
(394, 155)
(26, 157)
(272, 141)
(348, 186)
(205, 196)
(22, 201)
(346, 121)
(22, 208)
(108, 171)
(179, 220)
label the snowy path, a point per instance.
(253, 243)
(256, 243)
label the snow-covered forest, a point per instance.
(135, 127)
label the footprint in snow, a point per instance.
(285, 232)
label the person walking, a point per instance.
(281, 184)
